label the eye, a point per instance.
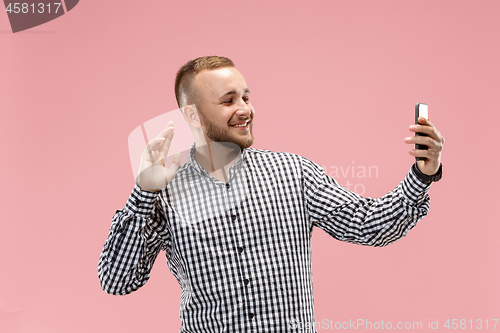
(229, 101)
(246, 99)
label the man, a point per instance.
(236, 222)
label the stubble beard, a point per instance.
(219, 134)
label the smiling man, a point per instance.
(236, 222)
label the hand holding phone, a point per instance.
(421, 110)
(430, 147)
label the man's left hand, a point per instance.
(434, 141)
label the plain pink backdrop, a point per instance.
(334, 81)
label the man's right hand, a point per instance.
(153, 176)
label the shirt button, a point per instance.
(233, 217)
(227, 186)
(250, 315)
(240, 249)
(247, 281)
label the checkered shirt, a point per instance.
(241, 249)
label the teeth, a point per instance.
(242, 125)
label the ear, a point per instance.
(191, 115)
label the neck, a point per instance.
(216, 157)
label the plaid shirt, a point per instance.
(241, 250)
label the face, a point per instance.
(226, 113)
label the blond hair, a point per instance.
(184, 92)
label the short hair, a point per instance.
(184, 92)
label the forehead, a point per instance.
(216, 82)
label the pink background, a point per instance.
(334, 81)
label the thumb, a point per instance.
(176, 161)
(172, 169)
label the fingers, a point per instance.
(434, 141)
(423, 126)
(429, 153)
(157, 148)
(431, 165)
(433, 159)
(166, 131)
(154, 145)
(435, 147)
(168, 140)
(172, 170)
(152, 172)
(167, 134)
(424, 140)
(158, 143)
(426, 127)
(170, 125)
(424, 121)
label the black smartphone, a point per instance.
(421, 110)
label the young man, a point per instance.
(236, 222)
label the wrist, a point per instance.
(143, 189)
(426, 178)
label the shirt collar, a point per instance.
(232, 170)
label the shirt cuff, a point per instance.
(140, 202)
(414, 189)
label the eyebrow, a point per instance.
(233, 92)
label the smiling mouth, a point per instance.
(242, 126)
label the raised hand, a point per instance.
(434, 141)
(153, 176)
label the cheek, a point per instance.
(222, 122)
(226, 118)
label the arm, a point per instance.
(376, 222)
(138, 232)
(136, 236)
(349, 217)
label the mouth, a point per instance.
(242, 125)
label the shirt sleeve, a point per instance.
(133, 243)
(349, 217)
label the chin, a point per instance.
(242, 143)
(246, 143)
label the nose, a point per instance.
(244, 109)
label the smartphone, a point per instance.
(421, 110)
